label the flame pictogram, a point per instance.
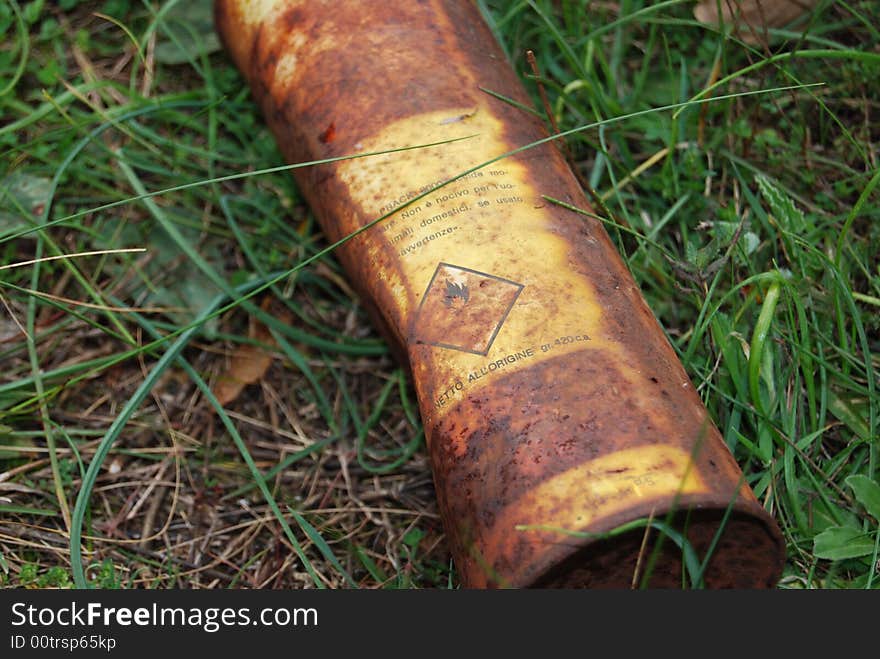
(455, 290)
(450, 317)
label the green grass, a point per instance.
(748, 217)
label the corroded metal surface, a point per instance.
(551, 399)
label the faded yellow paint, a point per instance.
(287, 62)
(582, 496)
(492, 238)
(254, 12)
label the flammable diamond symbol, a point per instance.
(464, 309)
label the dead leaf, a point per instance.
(248, 363)
(751, 18)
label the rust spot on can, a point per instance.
(555, 410)
(329, 134)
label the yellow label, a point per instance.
(578, 498)
(486, 285)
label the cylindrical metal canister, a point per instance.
(555, 409)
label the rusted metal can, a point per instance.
(555, 410)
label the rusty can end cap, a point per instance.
(749, 553)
